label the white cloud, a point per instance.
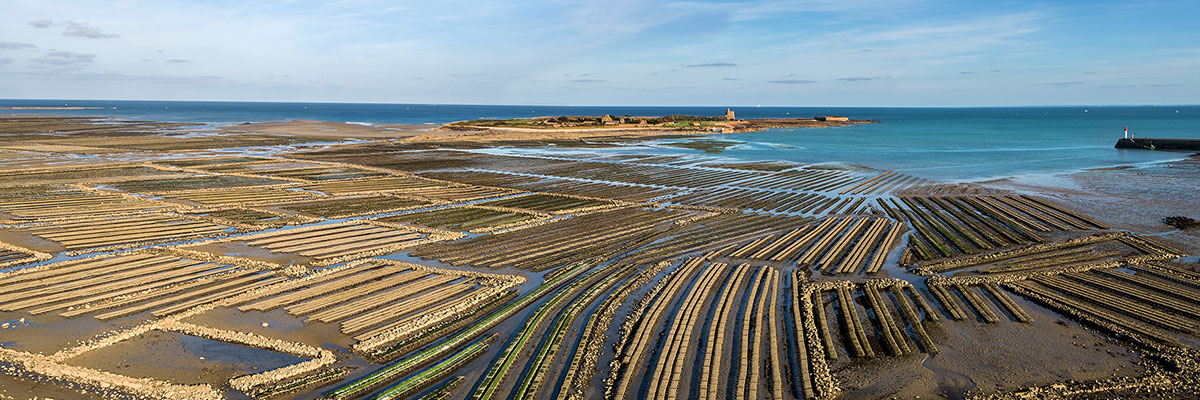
(64, 59)
(15, 45)
(77, 29)
(793, 81)
(371, 50)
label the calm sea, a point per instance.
(941, 143)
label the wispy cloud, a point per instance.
(158, 79)
(16, 45)
(974, 33)
(77, 29)
(63, 59)
(753, 10)
(695, 47)
(860, 78)
(930, 41)
(1071, 83)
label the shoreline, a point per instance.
(441, 133)
(672, 123)
(329, 129)
(1137, 198)
(347, 204)
(1035, 175)
(434, 133)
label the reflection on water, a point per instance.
(235, 354)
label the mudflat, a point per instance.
(310, 259)
(330, 129)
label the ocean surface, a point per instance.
(951, 144)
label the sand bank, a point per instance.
(331, 129)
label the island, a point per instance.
(727, 123)
(556, 130)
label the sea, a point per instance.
(947, 144)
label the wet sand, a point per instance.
(12, 387)
(182, 359)
(1136, 197)
(49, 333)
(979, 358)
(331, 129)
(431, 133)
(975, 357)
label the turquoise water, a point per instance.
(975, 144)
(940, 143)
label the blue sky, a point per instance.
(617, 52)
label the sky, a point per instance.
(613, 52)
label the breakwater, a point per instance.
(1158, 144)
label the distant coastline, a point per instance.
(56, 108)
(949, 144)
(561, 128)
(688, 124)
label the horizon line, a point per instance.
(614, 105)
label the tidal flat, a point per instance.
(329, 260)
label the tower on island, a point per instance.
(729, 114)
